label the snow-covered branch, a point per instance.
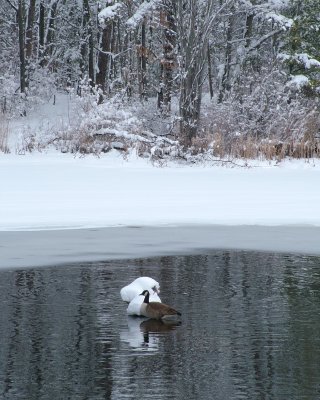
(109, 13)
(144, 10)
(262, 39)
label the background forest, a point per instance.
(177, 78)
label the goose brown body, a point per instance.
(156, 310)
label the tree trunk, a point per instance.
(190, 103)
(225, 81)
(192, 26)
(83, 45)
(128, 63)
(249, 29)
(113, 46)
(86, 49)
(91, 58)
(30, 27)
(143, 62)
(41, 31)
(209, 72)
(50, 45)
(103, 59)
(21, 25)
(168, 61)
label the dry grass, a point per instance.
(267, 149)
(289, 138)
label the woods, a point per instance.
(230, 74)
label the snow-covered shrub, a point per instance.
(84, 97)
(264, 116)
(115, 124)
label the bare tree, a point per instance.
(194, 24)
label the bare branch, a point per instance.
(12, 5)
(263, 39)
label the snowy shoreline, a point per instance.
(50, 248)
(58, 191)
(55, 208)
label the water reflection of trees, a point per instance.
(48, 345)
(249, 330)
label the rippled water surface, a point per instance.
(250, 330)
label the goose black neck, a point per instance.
(146, 298)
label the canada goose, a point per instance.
(156, 310)
(129, 292)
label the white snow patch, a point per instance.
(109, 13)
(303, 58)
(281, 20)
(298, 81)
(142, 11)
(307, 60)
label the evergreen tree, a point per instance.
(303, 42)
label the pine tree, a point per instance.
(303, 42)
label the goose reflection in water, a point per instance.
(145, 334)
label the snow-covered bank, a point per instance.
(150, 211)
(43, 191)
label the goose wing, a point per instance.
(163, 309)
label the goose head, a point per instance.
(146, 295)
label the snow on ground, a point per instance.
(58, 191)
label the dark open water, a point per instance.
(250, 330)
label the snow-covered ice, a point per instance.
(54, 191)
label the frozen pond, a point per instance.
(250, 330)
